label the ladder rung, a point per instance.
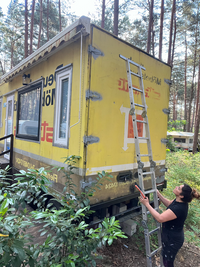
(146, 173)
(141, 121)
(138, 105)
(136, 89)
(148, 212)
(133, 73)
(150, 191)
(154, 230)
(144, 138)
(132, 62)
(155, 251)
(145, 155)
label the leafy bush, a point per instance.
(176, 125)
(183, 167)
(70, 241)
(170, 144)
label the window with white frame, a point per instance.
(1, 106)
(62, 106)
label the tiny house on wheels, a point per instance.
(71, 97)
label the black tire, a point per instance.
(53, 204)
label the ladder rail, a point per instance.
(132, 105)
(147, 125)
(141, 174)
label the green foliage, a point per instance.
(171, 146)
(176, 125)
(183, 167)
(70, 241)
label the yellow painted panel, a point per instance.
(109, 118)
(46, 69)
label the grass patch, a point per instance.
(184, 167)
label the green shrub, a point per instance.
(184, 167)
(70, 241)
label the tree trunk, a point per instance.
(26, 29)
(32, 23)
(174, 106)
(185, 90)
(161, 29)
(11, 58)
(60, 16)
(150, 26)
(40, 26)
(197, 118)
(153, 38)
(116, 14)
(170, 32)
(173, 49)
(197, 95)
(192, 124)
(103, 15)
(2, 69)
(47, 20)
(192, 85)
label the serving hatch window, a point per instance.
(28, 115)
(180, 140)
(62, 106)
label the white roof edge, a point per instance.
(85, 21)
(176, 133)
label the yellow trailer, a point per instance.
(70, 97)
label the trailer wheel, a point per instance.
(53, 204)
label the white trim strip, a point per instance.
(123, 167)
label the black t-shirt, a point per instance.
(180, 209)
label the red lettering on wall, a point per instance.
(149, 91)
(123, 83)
(49, 135)
(43, 129)
(47, 132)
(139, 126)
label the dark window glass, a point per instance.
(179, 140)
(28, 119)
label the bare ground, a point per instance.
(125, 253)
(130, 253)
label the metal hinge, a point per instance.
(164, 141)
(87, 140)
(167, 81)
(163, 170)
(95, 52)
(89, 183)
(166, 110)
(94, 96)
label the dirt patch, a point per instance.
(129, 252)
(124, 252)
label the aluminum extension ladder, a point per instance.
(132, 112)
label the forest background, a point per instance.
(166, 29)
